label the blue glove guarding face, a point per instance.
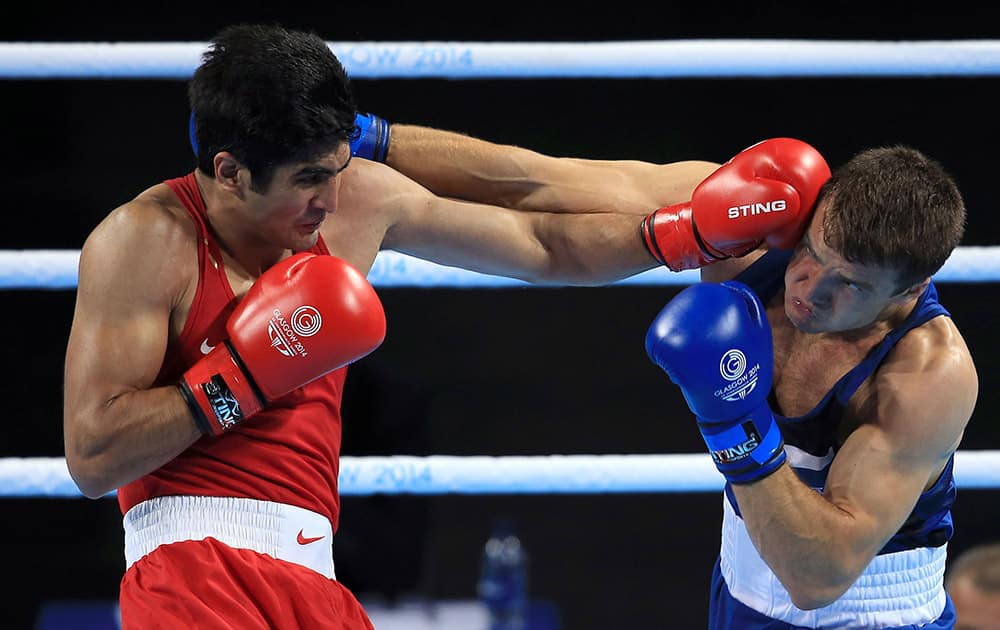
(714, 342)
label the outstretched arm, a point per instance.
(696, 213)
(464, 167)
(539, 247)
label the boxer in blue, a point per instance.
(831, 387)
(869, 383)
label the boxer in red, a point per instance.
(217, 313)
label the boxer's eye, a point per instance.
(851, 284)
(313, 177)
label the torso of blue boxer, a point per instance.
(815, 435)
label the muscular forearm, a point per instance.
(455, 165)
(131, 435)
(462, 167)
(808, 542)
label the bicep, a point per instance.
(120, 323)
(885, 464)
(876, 483)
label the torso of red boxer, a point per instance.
(289, 453)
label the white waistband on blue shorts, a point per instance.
(896, 589)
(281, 531)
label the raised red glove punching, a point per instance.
(303, 318)
(765, 193)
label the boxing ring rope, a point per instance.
(57, 269)
(489, 60)
(540, 474)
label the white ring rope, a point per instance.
(541, 474)
(57, 269)
(484, 60)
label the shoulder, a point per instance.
(150, 238)
(935, 348)
(927, 387)
(372, 192)
(370, 187)
(154, 216)
(366, 176)
(372, 198)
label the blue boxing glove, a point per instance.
(714, 342)
(370, 139)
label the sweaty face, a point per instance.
(300, 196)
(825, 293)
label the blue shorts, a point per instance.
(726, 613)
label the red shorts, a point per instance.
(206, 584)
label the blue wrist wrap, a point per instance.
(191, 137)
(748, 450)
(370, 139)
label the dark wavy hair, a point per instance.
(270, 96)
(893, 207)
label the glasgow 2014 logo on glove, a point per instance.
(742, 381)
(286, 334)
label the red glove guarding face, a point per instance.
(303, 318)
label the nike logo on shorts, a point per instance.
(205, 348)
(302, 540)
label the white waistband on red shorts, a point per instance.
(279, 530)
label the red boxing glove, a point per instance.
(765, 193)
(303, 318)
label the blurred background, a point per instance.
(523, 371)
